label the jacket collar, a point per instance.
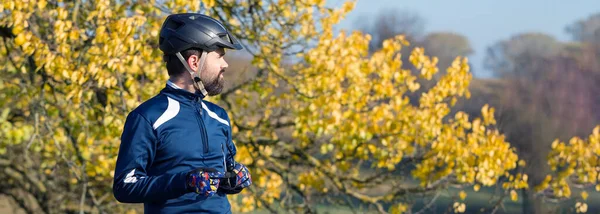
(178, 93)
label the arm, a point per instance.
(131, 183)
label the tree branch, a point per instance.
(428, 205)
(499, 203)
(6, 32)
(22, 201)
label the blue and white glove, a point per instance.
(204, 181)
(236, 181)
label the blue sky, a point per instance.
(483, 22)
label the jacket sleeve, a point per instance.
(131, 183)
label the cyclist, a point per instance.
(176, 153)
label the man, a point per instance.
(176, 153)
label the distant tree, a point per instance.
(516, 56)
(446, 46)
(390, 22)
(574, 162)
(547, 94)
(520, 62)
(587, 30)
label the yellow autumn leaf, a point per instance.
(513, 195)
(584, 195)
(462, 194)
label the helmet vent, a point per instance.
(174, 24)
(225, 37)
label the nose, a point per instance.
(224, 65)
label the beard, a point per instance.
(213, 84)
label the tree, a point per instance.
(389, 23)
(587, 31)
(573, 165)
(332, 126)
(513, 57)
(447, 46)
(544, 80)
(522, 61)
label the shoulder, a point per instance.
(153, 108)
(213, 106)
(215, 109)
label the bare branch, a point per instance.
(499, 203)
(428, 205)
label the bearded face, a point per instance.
(212, 73)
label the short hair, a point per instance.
(174, 66)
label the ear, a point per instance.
(193, 62)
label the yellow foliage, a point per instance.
(76, 68)
(576, 162)
(398, 209)
(459, 207)
(581, 207)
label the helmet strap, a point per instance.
(195, 75)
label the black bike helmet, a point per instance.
(180, 32)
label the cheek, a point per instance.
(211, 68)
(215, 69)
